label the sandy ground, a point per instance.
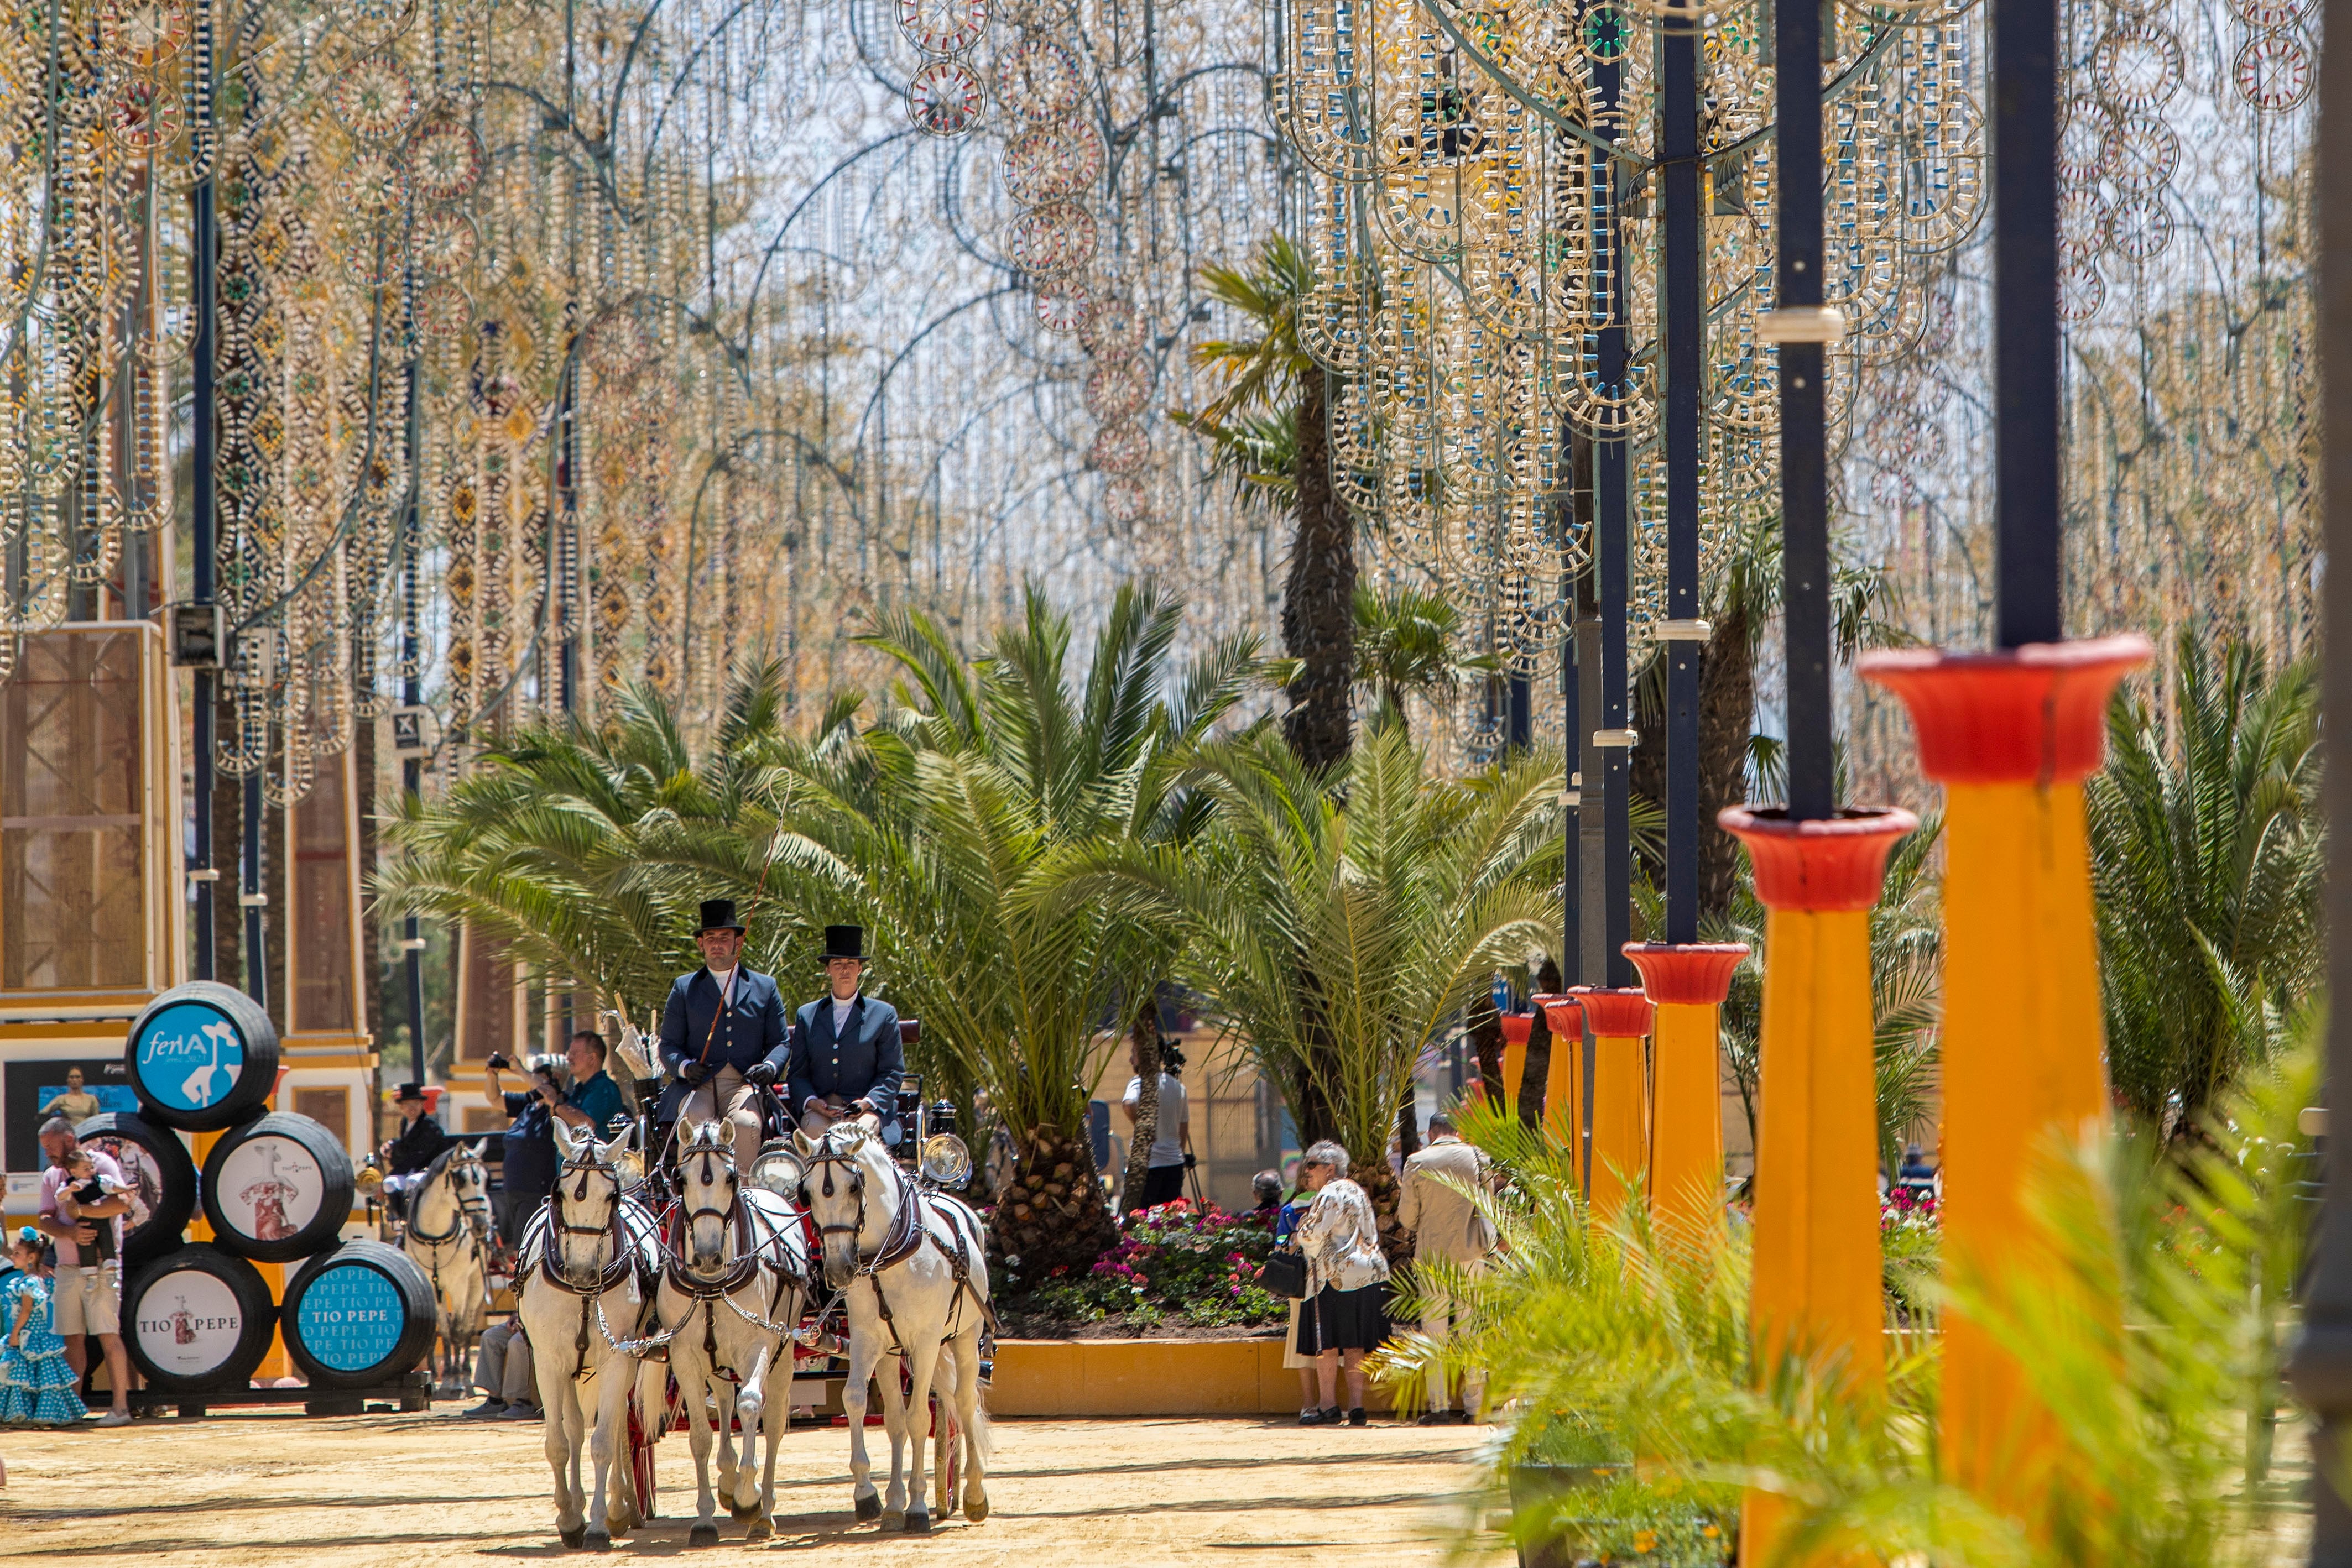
(254, 1487)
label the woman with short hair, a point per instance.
(1345, 1312)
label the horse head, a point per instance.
(469, 1183)
(848, 1191)
(710, 1192)
(586, 1199)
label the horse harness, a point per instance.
(753, 1256)
(623, 1266)
(432, 1242)
(903, 1241)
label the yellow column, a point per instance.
(1563, 1086)
(1816, 1287)
(2012, 736)
(1687, 983)
(1619, 1020)
(1517, 1027)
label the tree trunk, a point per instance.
(1145, 1033)
(1535, 1076)
(1408, 1130)
(1052, 1220)
(1485, 1032)
(1318, 599)
(1727, 716)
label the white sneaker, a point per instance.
(115, 1419)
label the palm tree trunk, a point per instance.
(1053, 1217)
(1145, 1034)
(1535, 1076)
(1485, 1032)
(1319, 598)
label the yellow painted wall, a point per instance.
(1149, 1377)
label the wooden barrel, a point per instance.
(162, 1177)
(197, 1321)
(202, 1057)
(358, 1317)
(277, 1188)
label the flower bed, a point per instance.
(1176, 1271)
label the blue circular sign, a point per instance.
(189, 1055)
(350, 1317)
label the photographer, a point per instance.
(529, 1162)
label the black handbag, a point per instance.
(1284, 1273)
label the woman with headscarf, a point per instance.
(1345, 1312)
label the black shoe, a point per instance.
(490, 1410)
(1434, 1419)
(521, 1412)
(1357, 1417)
(1320, 1418)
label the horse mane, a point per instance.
(440, 1163)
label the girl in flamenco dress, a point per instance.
(36, 1386)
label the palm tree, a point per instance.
(2207, 852)
(1270, 380)
(1334, 921)
(1404, 643)
(983, 773)
(586, 848)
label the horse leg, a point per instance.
(944, 1433)
(559, 1400)
(774, 1420)
(611, 1398)
(973, 1420)
(694, 1384)
(722, 1404)
(894, 1424)
(853, 1405)
(751, 1408)
(922, 1360)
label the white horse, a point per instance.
(447, 1233)
(596, 1254)
(732, 1285)
(913, 1265)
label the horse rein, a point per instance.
(468, 1207)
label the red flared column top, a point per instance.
(1517, 1027)
(1696, 974)
(1827, 864)
(1615, 1014)
(2021, 716)
(1561, 1013)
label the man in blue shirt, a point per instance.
(527, 1160)
(846, 1055)
(722, 1034)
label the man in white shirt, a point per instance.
(87, 1294)
(1171, 1145)
(1434, 1205)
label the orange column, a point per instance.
(1517, 1027)
(1619, 1020)
(1816, 1287)
(2010, 735)
(1687, 984)
(1563, 1101)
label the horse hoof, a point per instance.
(743, 1509)
(919, 1524)
(759, 1528)
(574, 1539)
(869, 1507)
(975, 1508)
(703, 1535)
(600, 1540)
(893, 1518)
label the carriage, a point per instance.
(782, 1261)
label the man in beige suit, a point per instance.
(1435, 1206)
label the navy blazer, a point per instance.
(863, 1064)
(752, 1027)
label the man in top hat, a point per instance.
(722, 1034)
(846, 1055)
(406, 1158)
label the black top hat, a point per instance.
(719, 915)
(410, 1091)
(845, 942)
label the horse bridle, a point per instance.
(473, 1209)
(906, 1231)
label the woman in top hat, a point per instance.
(846, 1055)
(720, 1028)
